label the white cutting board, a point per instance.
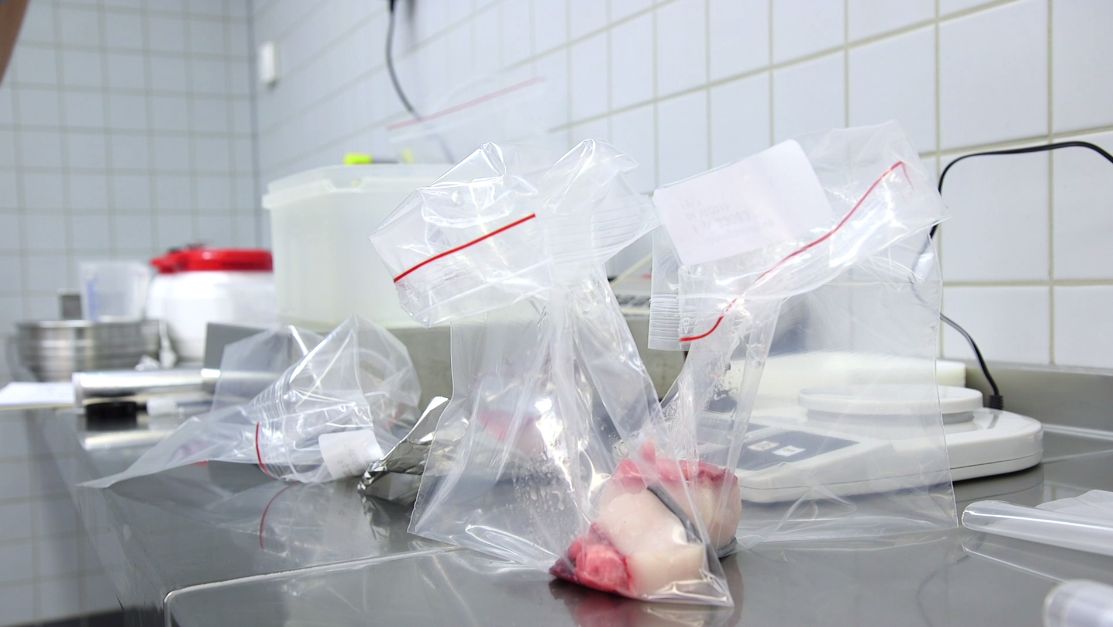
(22, 395)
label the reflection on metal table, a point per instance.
(948, 578)
(222, 544)
(213, 522)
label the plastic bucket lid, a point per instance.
(215, 260)
(348, 178)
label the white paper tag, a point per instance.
(771, 197)
(348, 453)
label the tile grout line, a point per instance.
(769, 68)
(93, 170)
(1050, 195)
(62, 47)
(608, 64)
(36, 593)
(84, 4)
(937, 154)
(467, 23)
(773, 66)
(21, 197)
(229, 148)
(729, 78)
(655, 105)
(532, 40)
(979, 8)
(1032, 283)
(937, 78)
(327, 97)
(191, 115)
(294, 23)
(253, 123)
(92, 130)
(846, 46)
(90, 89)
(309, 63)
(707, 76)
(846, 63)
(852, 333)
(1031, 140)
(64, 165)
(567, 68)
(109, 133)
(153, 154)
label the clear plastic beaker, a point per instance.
(113, 290)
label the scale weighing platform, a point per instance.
(853, 436)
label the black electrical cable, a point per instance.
(390, 63)
(1020, 151)
(996, 401)
(398, 85)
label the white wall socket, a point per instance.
(267, 63)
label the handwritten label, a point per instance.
(769, 198)
(349, 453)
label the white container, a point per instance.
(199, 286)
(324, 266)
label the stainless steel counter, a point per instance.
(220, 544)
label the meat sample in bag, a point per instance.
(643, 540)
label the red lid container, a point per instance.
(214, 260)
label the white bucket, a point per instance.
(325, 269)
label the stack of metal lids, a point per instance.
(52, 350)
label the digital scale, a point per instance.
(848, 440)
(844, 431)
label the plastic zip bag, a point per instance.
(349, 397)
(1082, 523)
(250, 365)
(510, 106)
(819, 453)
(551, 452)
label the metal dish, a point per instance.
(52, 350)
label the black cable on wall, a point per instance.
(996, 401)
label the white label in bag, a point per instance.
(348, 453)
(771, 197)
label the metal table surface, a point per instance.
(221, 544)
(209, 523)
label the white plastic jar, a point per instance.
(197, 286)
(325, 267)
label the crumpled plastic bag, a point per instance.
(345, 400)
(552, 452)
(774, 271)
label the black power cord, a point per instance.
(390, 62)
(398, 85)
(1021, 151)
(995, 399)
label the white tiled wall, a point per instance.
(48, 570)
(125, 127)
(687, 84)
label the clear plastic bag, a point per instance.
(250, 365)
(819, 453)
(511, 106)
(551, 452)
(349, 397)
(1082, 523)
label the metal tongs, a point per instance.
(396, 475)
